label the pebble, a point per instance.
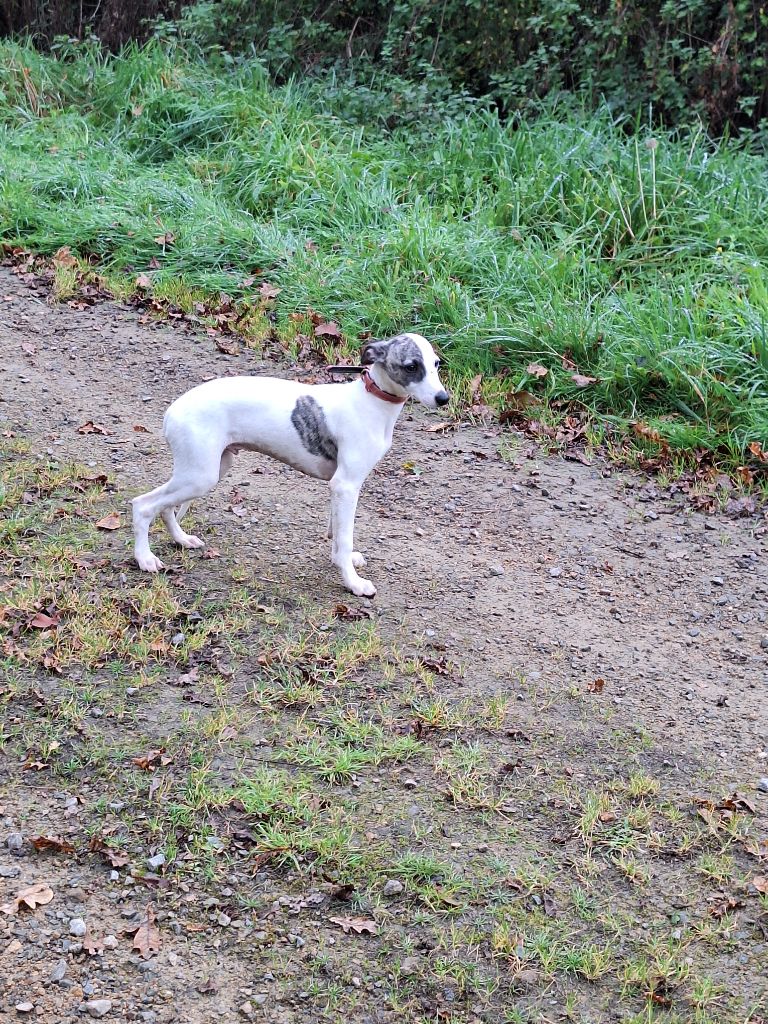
(153, 863)
(59, 971)
(410, 783)
(15, 842)
(410, 965)
(98, 1007)
(762, 785)
(24, 1007)
(555, 573)
(392, 887)
(260, 998)
(7, 871)
(110, 942)
(247, 1009)
(77, 927)
(178, 639)
(496, 570)
(764, 643)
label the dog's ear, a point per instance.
(373, 352)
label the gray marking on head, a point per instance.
(400, 356)
(309, 420)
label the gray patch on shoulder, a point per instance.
(309, 420)
(401, 352)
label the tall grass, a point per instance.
(639, 256)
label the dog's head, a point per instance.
(411, 365)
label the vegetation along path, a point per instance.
(523, 784)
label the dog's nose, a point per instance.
(442, 398)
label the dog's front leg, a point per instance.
(344, 495)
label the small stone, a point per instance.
(496, 570)
(149, 1016)
(9, 871)
(24, 1007)
(392, 887)
(247, 1009)
(410, 783)
(178, 639)
(260, 998)
(554, 573)
(59, 971)
(153, 863)
(77, 927)
(764, 643)
(410, 965)
(15, 842)
(718, 581)
(223, 919)
(762, 785)
(98, 1007)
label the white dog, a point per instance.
(336, 432)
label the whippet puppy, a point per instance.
(336, 432)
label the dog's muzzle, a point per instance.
(442, 398)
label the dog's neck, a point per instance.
(384, 382)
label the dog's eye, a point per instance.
(410, 366)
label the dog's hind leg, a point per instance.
(227, 458)
(192, 478)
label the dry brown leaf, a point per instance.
(152, 759)
(758, 451)
(111, 521)
(147, 938)
(581, 380)
(211, 553)
(438, 428)
(93, 428)
(116, 857)
(92, 945)
(596, 686)
(760, 882)
(167, 239)
(343, 611)
(41, 843)
(269, 291)
(33, 896)
(328, 329)
(358, 925)
(43, 621)
(536, 370)
(139, 429)
(63, 257)
(142, 281)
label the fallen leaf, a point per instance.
(760, 882)
(211, 553)
(167, 239)
(116, 857)
(596, 686)
(152, 759)
(147, 937)
(208, 988)
(139, 429)
(142, 281)
(41, 843)
(437, 428)
(269, 291)
(63, 257)
(438, 666)
(358, 925)
(43, 621)
(758, 451)
(343, 611)
(582, 381)
(28, 348)
(111, 521)
(36, 895)
(327, 330)
(537, 370)
(229, 348)
(92, 945)
(93, 428)
(726, 906)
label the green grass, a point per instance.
(637, 258)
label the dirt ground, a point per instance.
(536, 575)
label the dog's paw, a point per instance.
(357, 560)
(190, 541)
(363, 588)
(150, 563)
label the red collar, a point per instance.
(373, 389)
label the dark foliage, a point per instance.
(700, 57)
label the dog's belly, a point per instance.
(311, 465)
